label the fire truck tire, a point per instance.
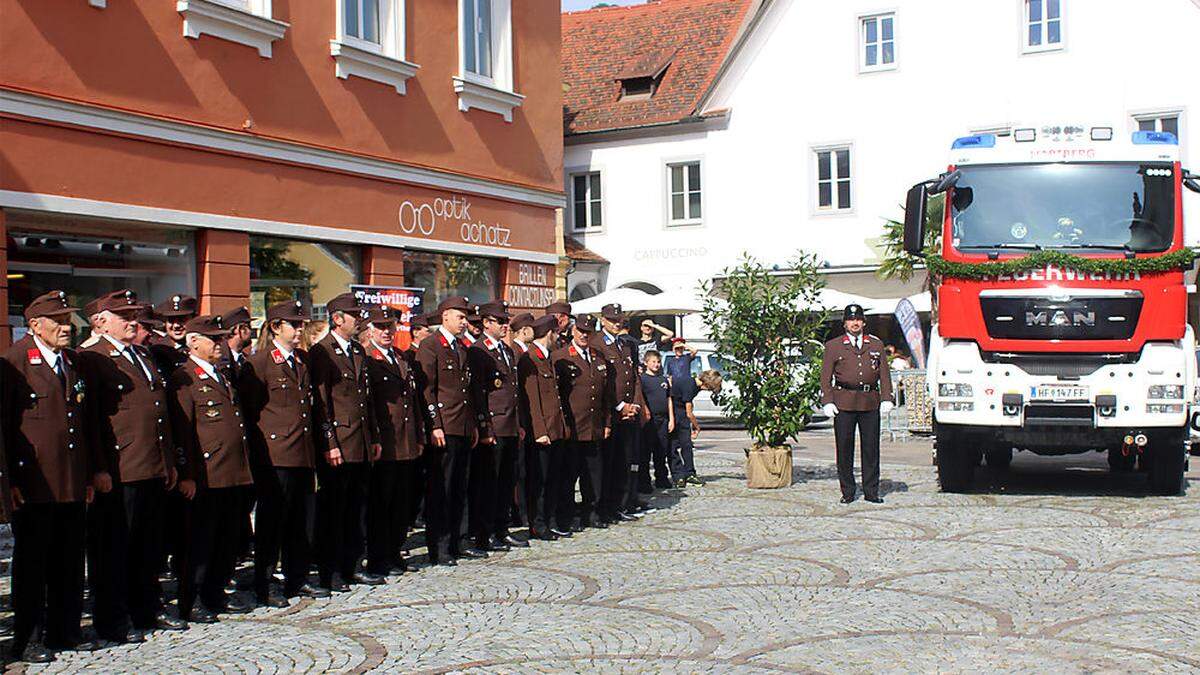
(955, 461)
(1119, 462)
(999, 458)
(1167, 467)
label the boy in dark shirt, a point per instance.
(656, 432)
(683, 391)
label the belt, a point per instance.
(857, 387)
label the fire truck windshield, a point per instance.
(1110, 206)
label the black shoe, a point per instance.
(498, 544)
(695, 480)
(625, 517)
(638, 507)
(847, 500)
(32, 653)
(598, 524)
(168, 622)
(131, 636)
(202, 614)
(561, 534)
(681, 483)
(367, 578)
(309, 591)
(516, 542)
(273, 600)
(233, 605)
(401, 565)
(663, 484)
(577, 527)
(875, 500)
(335, 586)
(444, 561)
(74, 646)
(544, 535)
(470, 552)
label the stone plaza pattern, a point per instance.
(724, 578)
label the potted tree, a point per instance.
(765, 325)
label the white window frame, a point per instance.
(495, 93)
(878, 17)
(815, 151)
(572, 174)
(1156, 114)
(1023, 12)
(381, 61)
(246, 22)
(668, 216)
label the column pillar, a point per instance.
(526, 286)
(383, 266)
(222, 270)
(5, 329)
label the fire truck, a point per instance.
(1047, 358)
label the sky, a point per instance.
(571, 5)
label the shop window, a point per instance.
(877, 35)
(442, 275)
(88, 258)
(289, 269)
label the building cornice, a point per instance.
(688, 125)
(88, 116)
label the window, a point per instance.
(370, 42)
(586, 211)
(443, 275)
(833, 179)
(477, 37)
(684, 193)
(1168, 122)
(485, 79)
(878, 35)
(293, 269)
(361, 19)
(1043, 25)
(246, 22)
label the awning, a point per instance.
(633, 300)
(922, 302)
(829, 300)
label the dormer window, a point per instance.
(641, 80)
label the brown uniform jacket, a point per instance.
(209, 430)
(133, 429)
(624, 383)
(444, 376)
(539, 395)
(168, 354)
(280, 410)
(494, 386)
(45, 425)
(342, 385)
(397, 406)
(583, 387)
(846, 371)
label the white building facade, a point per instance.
(823, 114)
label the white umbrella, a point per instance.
(633, 300)
(922, 302)
(830, 299)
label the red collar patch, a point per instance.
(200, 373)
(443, 340)
(35, 356)
(276, 355)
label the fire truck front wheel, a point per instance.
(1167, 464)
(956, 461)
(998, 457)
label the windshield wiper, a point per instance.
(1106, 247)
(1030, 247)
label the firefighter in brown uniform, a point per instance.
(520, 335)
(545, 431)
(561, 311)
(855, 387)
(622, 453)
(444, 376)
(175, 312)
(133, 435)
(495, 386)
(209, 430)
(583, 385)
(233, 349)
(45, 408)
(277, 402)
(395, 477)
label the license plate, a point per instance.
(1059, 392)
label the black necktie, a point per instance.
(291, 361)
(504, 354)
(60, 369)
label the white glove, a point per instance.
(830, 410)
(886, 407)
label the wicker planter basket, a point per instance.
(768, 467)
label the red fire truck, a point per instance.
(1051, 359)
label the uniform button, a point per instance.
(241, 426)
(70, 446)
(207, 455)
(160, 437)
(273, 436)
(70, 414)
(157, 403)
(71, 430)
(160, 420)
(237, 412)
(33, 396)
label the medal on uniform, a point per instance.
(499, 383)
(204, 389)
(212, 412)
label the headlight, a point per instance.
(956, 390)
(1164, 408)
(1165, 391)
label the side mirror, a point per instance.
(914, 220)
(1191, 181)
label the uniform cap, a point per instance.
(123, 300)
(558, 307)
(541, 325)
(346, 302)
(585, 323)
(292, 310)
(522, 320)
(149, 318)
(612, 312)
(53, 303)
(235, 317)
(419, 321)
(495, 309)
(209, 325)
(381, 316)
(459, 302)
(853, 312)
(176, 306)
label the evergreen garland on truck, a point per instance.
(1176, 260)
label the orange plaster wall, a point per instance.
(132, 56)
(383, 266)
(223, 269)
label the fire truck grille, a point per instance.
(1074, 318)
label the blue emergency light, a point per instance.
(977, 141)
(1154, 138)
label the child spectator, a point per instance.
(657, 431)
(683, 392)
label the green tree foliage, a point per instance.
(763, 328)
(897, 264)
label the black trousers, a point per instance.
(508, 499)
(341, 504)
(47, 573)
(518, 510)
(215, 518)
(283, 525)
(681, 456)
(655, 445)
(584, 466)
(391, 510)
(125, 544)
(445, 498)
(867, 422)
(618, 468)
(481, 492)
(544, 474)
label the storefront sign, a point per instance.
(646, 254)
(529, 296)
(424, 217)
(405, 300)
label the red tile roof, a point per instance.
(601, 45)
(577, 251)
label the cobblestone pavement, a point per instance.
(1046, 569)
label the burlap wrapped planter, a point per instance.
(768, 467)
